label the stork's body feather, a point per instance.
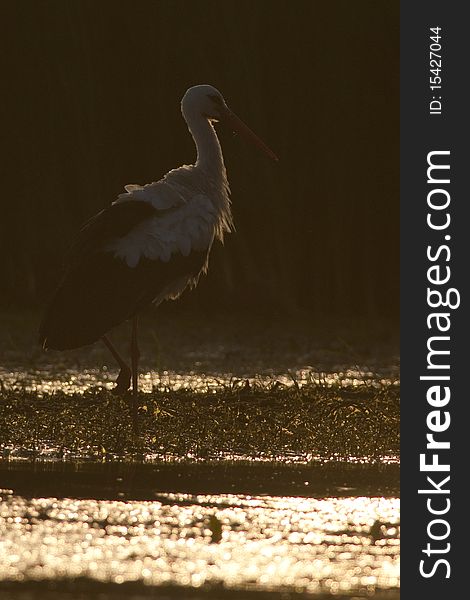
(191, 209)
(148, 246)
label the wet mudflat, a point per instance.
(128, 480)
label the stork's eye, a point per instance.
(216, 99)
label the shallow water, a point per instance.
(316, 545)
(182, 351)
(70, 380)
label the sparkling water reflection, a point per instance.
(334, 545)
(73, 380)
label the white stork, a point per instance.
(149, 244)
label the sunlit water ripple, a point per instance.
(330, 545)
(72, 380)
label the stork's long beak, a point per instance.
(237, 125)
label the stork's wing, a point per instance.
(150, 244)
(120, 262)
(113, 222)
(132, 208)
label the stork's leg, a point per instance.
(135, 355)
(123, 381)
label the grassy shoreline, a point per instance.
(269, 420)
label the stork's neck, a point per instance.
(209, 152)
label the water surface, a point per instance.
(327, 545)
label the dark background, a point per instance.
(92, 103)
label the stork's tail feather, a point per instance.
(85, 306)
(102, 291)
(70, 324)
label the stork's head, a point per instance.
(207, 102)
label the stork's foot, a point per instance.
(123, 381)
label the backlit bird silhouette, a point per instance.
(149, 244)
